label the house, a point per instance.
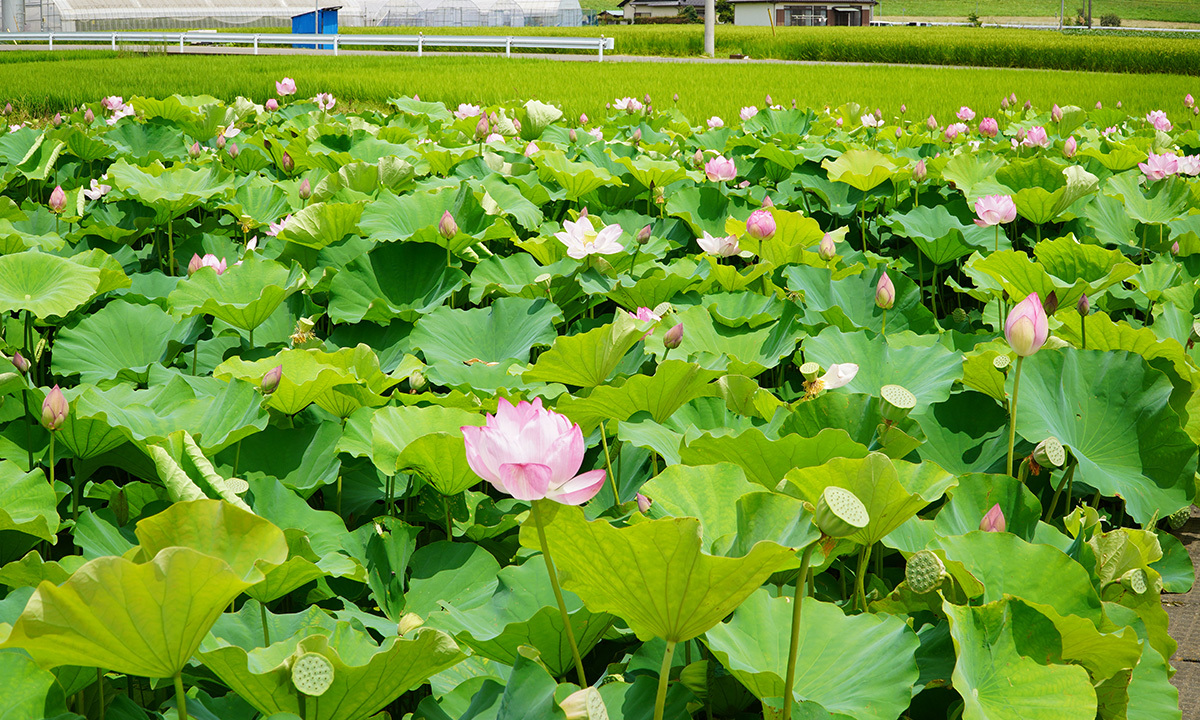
(636, 10)
(805, 13)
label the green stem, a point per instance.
(171, 245)
(50, 460)
(1012, 415)
(237, 457)
(100, 687)
(608, 464)
(339, 495)
(883, 330)
(860, 586)
(562, 605)
(262, 612)
(794, 648)
(997, 238)
(664, 676)
(449, 522)
(1082, 332)
(28, 428)
(180, 697)
(1054, 500)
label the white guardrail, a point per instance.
(335, 42)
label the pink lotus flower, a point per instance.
(20, 363)
(272, 105)
(285, 87)
(761, 225)
(530, 149)
(58, 200)
(467, 110)
(1189, 165)
(113, 102)
(870, 121)
(582, 239)
(715, 122)
(324, 101)
(596, 133)
(995, 210)
(839, 122)
(885, 293)
(645, 314)
(838, 374)
(209, 260)
(1036, 137)
(628, 104)
(1158, 167)
(123, 112)
(1159, 120)
(920, 171)
(494, 137)
(953, 130)
(988, 127)
(273, 229)
(643, 503)
(965, 114)
(747, 112)
(54, 409)
(583, 119)
(720, 169)
(1069, 147)
(726, 246)
(1109, 130)
(1027, 327)
(96, 190)
(993, 521)
(1056, 113)
(531, 453)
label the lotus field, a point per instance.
(460, 412)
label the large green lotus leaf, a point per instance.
(892, 492)
(708, 493)
(101, 346)
(997, 683)
(460, 574)
(916, 362)
(1008, 565)
(44, 285)
(1114, 155)
(506, 330)
(706, 208)
(966, 170)
(977, 493)
(864, 666)
(1118, 425)
(303, 458)
(508, 200)
(767, 461)
(216, 413)
(849, 302)
(745, 351)
(653, 173)
(1107, 218)
(244, 628)
(743, 308)
(1044, 200)
(322, 224)
(307, 374)
(861, 169)
(366, 677)
(187, 474)
(577, 178)
(964, 434)
(27, 502)
(393, 280)
(146, 142)
(793, 233)
(1088, 269)
(394, 428)
(173, 190)
(441, 460)
(523, 612)
(387, 545)
(28, 692)
(258, 201)
(244, 296)
(1164, 203)
(1103, 654)
(673, 384)
(1105, 334)
(1151, 694)
(148, 619)
(1072, 261)
(942, 237)
(587, 359)
(415, 216)
(653, 574)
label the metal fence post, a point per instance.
(508, 47)
(181, 42)
(601, 48)
(420, 44)
(114, 42)
(51, 41)
(335, 45)
(255, 44)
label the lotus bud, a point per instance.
(1004, 104)
(416, 380)
(827, 250)
(1050, 453)
(885, 293)
(482, 128)
(793, 103)
(57, 119)
(287, 163)
(221, 141)
(305, 189)
(1188, 101)
(583, 213)
(1099, 105)
(312, 674)
(1135, 580)
(1027, 326)
(1179, 518)
(903, 108)
(839, 513)
(993, 521)
(920, 172)
(572, 135)
(643, 235)
(931, 123)
(1175, 248)
(583, 119)
(767, 202)
(1051, 304)
(8, 108)
(447, 227)
(839, 122)
(272, 105)
(1196, 110)
(88, 116)
(1070, 147)
(878, 113)
(58, 200)
(675, 97)
(194, 151)
(585, 704)
(673, 337)
(195, 264)
(1083, 305)
(924, 572)
(516, 125)
(899, 133)
(988, 127)
(1118, 104)
(1012, 98)
(270, 381)
(698, 158)
(54, 409)
(810, 370)
(1028, 104)
(233, 150)
(895, 403)
(649, 110)
(761, 225)
(767, 100)
(20, 363)
(636, 137)
(1056, 113)
(643, 503)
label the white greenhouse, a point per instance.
(93, 15)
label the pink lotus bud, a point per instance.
(767, 100)
(1056, 113)
(698, 159)
(720, 170)
(899, 133)
(919, 171)
(1099, 105)
(271, 380)
(482, 129)
(761, 225)
(583, 119)
(447, 227)
(57, 119)
(1028, 104)
(767, 202)
(646, 98)
(287, 163)
(885, 293)
(903, 108)
(1083, 306)
(649, 110)
(516, 125)
(233, 150)
(675, 98)
(1004, 104)
(637, 136)
(20, 363)
(1027, 326)
(1069, 147)
(195, 264)
(995, 210)
(1175, 248)
(643, 235)
(673, 337)
(644, 502)
(572, 135)
(58, 200)
(194, 151)
(272, 105)
(826, 250)
(1188, 101)
(993, 521)
(839, 122)
(1118, 104)
(583, 213)
(1012, 98)
(878, 113)
(988, 127)
(221, 142)
(8, 108)
(931, 123)
(1196, 110)
(1051, 304)
(305, 189)
(54, 409)
(88, 116)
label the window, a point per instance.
(805, 15)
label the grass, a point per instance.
(1161, 10)
(578, 87)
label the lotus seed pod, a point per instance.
(1050, 453)
(237, 486)
(840, 513)
(810, 371)
(924, 572)
(1000, 362)
(1135, 580)
(895, 403)
(585, 704)
(312, 674)
(1179, 518)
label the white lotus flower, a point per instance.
(582, 239)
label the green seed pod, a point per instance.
(1001, 361)
(924, 572)
(840, 513)
(585, 704)
(810, 371)
(1135, 580)
(237, 486)
(1050, 453)
(958, 315)
(896, 402)
(1179, 518)
(312, 674)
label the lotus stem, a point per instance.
(1012, 414)
(262, 612)
(302, 700)
(664, 677)
(883, 330)
(449, 521)
(997, 238)
(562, 605)
(339, 495)
(608, 462)
(171, 245)
(794, 648)
(860, 592)
(1054, 500)
(28, 428)
(50, 460)
(180, 696)
(100, 688)
(1082, 332)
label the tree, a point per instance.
(724, 11)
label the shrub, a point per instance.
(1110, 20)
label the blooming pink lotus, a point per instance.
(285, 87)
(1189, 165)
(1158, 167)
(1027, 326)
(747, 112)
(988, 127)
(96, 190)
(995, 210)
(531, 453)
(715, 122)
(113, 102)
(645, 314)
(582, 239)
(122, 112)
(726, 246)
(273, 229)
(720, 169)
(1036, 137)
(324, 101)
(209, 260)
(965, 114)
(953, 130)
(1159, 120)
(467, 110)
(628, 104)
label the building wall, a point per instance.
(752, 14)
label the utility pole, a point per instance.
(1089, 14)
(710, 28)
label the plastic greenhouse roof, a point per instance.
(111, 9)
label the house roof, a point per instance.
(823, 3)
(699, 4)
